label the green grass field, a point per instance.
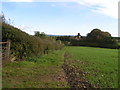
(41, 72)
(99, 65)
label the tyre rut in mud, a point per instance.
(74, 76)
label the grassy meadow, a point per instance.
(40, 72)
(47, 47)
(99, 67)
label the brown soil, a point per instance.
(74, 76)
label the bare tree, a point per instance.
(2, 17)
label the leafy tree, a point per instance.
(41, 35)
(2, 17)
(102, 39)
(37, 33)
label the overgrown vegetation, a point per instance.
(24, 45)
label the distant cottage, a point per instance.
(78, 37)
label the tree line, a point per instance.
(96, 38)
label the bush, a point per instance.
(96, 38)
(24, 45)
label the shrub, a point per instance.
(96, 38)
(24, 45)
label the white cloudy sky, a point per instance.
(106, 10)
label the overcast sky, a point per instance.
(63, 17)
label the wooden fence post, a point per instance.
(5, 52)
(8, 49)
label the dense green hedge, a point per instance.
(96, 38)
(24, 45)
(94, 44)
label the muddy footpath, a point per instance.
(74, 76)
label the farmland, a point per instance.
(96, 66)
(101, 65)
(59, 45)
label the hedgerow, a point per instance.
(24, 45)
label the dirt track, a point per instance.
(74, 76)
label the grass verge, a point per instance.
(41, 72)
